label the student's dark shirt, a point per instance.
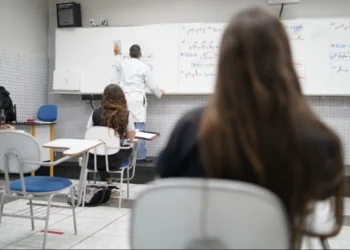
(180, 158)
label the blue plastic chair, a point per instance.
(21, 154)
(48, 113)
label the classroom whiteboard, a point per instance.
(90, 50)
(184, 57)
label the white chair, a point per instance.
(110, 146)
(208, 214)
(20, 153)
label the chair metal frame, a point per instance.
(131, 166)
(24, 194)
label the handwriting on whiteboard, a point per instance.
(199, 46)
(344, 56)
(206, 30)
(204, 45)
(145, 57)
(201, 56)
(340, 26)
(295, 31)
(195, 74)
(296, 35)
(340, 69)
(197, 65)
(340, 46)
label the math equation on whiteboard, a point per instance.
(199, 53)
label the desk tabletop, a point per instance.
(33, 123)
(74, 146)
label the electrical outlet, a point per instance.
(282, 1)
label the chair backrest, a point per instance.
(108, 136)
(23, 144)
(48, 113)
(208, 214)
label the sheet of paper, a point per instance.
(42, 122)
(144, 135)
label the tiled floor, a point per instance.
(104, 227)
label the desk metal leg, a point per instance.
(82, 176)
(324, 243)
(33, 132)
(52, 137)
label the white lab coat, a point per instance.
(134, 77)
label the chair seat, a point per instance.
(41, 184)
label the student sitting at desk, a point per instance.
(259, 128)
(113, 114)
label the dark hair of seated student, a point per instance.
(259, 128)
(135, 51)
(112, 114)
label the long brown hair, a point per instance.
(259, 127)
(114, 109)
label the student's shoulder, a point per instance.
(194, 114)
(191, 119)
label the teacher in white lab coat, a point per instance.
(135, 77)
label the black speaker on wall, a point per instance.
(68, 15)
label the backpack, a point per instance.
(6, 105)
(95, 195)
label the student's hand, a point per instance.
(9, 127)
(162, 92)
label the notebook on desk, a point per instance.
(145, 135)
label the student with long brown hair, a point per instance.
(113, 114)
(259, 128)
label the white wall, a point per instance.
(24, 26)
(23, 53)
(74, 112)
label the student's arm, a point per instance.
(7, 127)
(118, 62)
(131, 129)
(151, 85)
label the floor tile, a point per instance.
(104, 242)
(2, 245)
(12, 233)
(68, 211)
(344, 234)
(139, 188)
(118, 229)
(126, 217)
(54, 241)
(347, 206)
(17, 205)
(86, 226)
(339, 244)
(112, 213)
(39, 224)
(134, 194)
(7, 211)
